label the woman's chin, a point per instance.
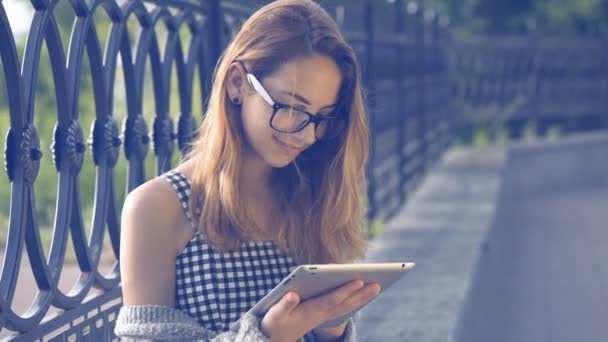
(279, 163)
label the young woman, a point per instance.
(275, 179)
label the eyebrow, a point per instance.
(304, 100)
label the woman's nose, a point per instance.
(306, 137)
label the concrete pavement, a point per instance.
(510, 244)
(441, 229)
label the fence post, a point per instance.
(214, 37)
(434, 97)
(604, 88)
(446, 60)
(401, 98)
(421, 129)
(538, 75)
(371, 101)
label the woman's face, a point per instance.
(310, 84)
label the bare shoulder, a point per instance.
(152, 208)
(150, 219)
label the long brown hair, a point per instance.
(322, 193)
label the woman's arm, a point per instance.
(162, 323)
(148, 244)
(148, 249)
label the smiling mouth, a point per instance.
(287, 148)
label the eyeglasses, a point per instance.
(287, 119)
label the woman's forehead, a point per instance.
(316, 79)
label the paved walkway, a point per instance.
(440, 229)
(510, 246)
(543, 275)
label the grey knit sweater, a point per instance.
(163, 323)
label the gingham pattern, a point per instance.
(181, 185)
(217, 289)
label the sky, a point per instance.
(19, 13)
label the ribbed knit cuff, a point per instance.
(350, 334)
(157, 322)
(152, 313)
(248, 328)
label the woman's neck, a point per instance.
(255, 176)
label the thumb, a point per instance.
(288, 302)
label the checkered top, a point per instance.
(217, 289)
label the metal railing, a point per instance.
(87, 314)
(510, 82)
(402, 50)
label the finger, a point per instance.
(331, 300)
(282, 308)
(361, 297)
(343, 292)
(279, 311)
(289, 301)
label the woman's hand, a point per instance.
(330, 334)
(288, 320)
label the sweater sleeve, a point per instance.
(350, 333)
(162, 323)
(143, 323)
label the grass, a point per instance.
(375, 228)
(553, 133)
(482, 137)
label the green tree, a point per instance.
(502, 16)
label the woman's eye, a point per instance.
(327, 113)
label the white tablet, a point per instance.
(314, 280)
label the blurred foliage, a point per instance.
(584, 17)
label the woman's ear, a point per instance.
(235, 84)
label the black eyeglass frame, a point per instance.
(276, 106)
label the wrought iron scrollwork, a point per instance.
(185, 132)
(164, 136)
(68, 147)
(30, 153)
(105, 141)
(23, 152)
(11, 153)
(136, 137)
(112, 142)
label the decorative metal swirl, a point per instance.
(185, 132)
(136, 137)
(10, 154)
(30, 154)
(22, 151)
(75, 147)
(164, 136)
(105, 140)
(112, 142)
(68, 143)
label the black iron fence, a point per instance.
(534, 82)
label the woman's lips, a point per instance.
(291, 150)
